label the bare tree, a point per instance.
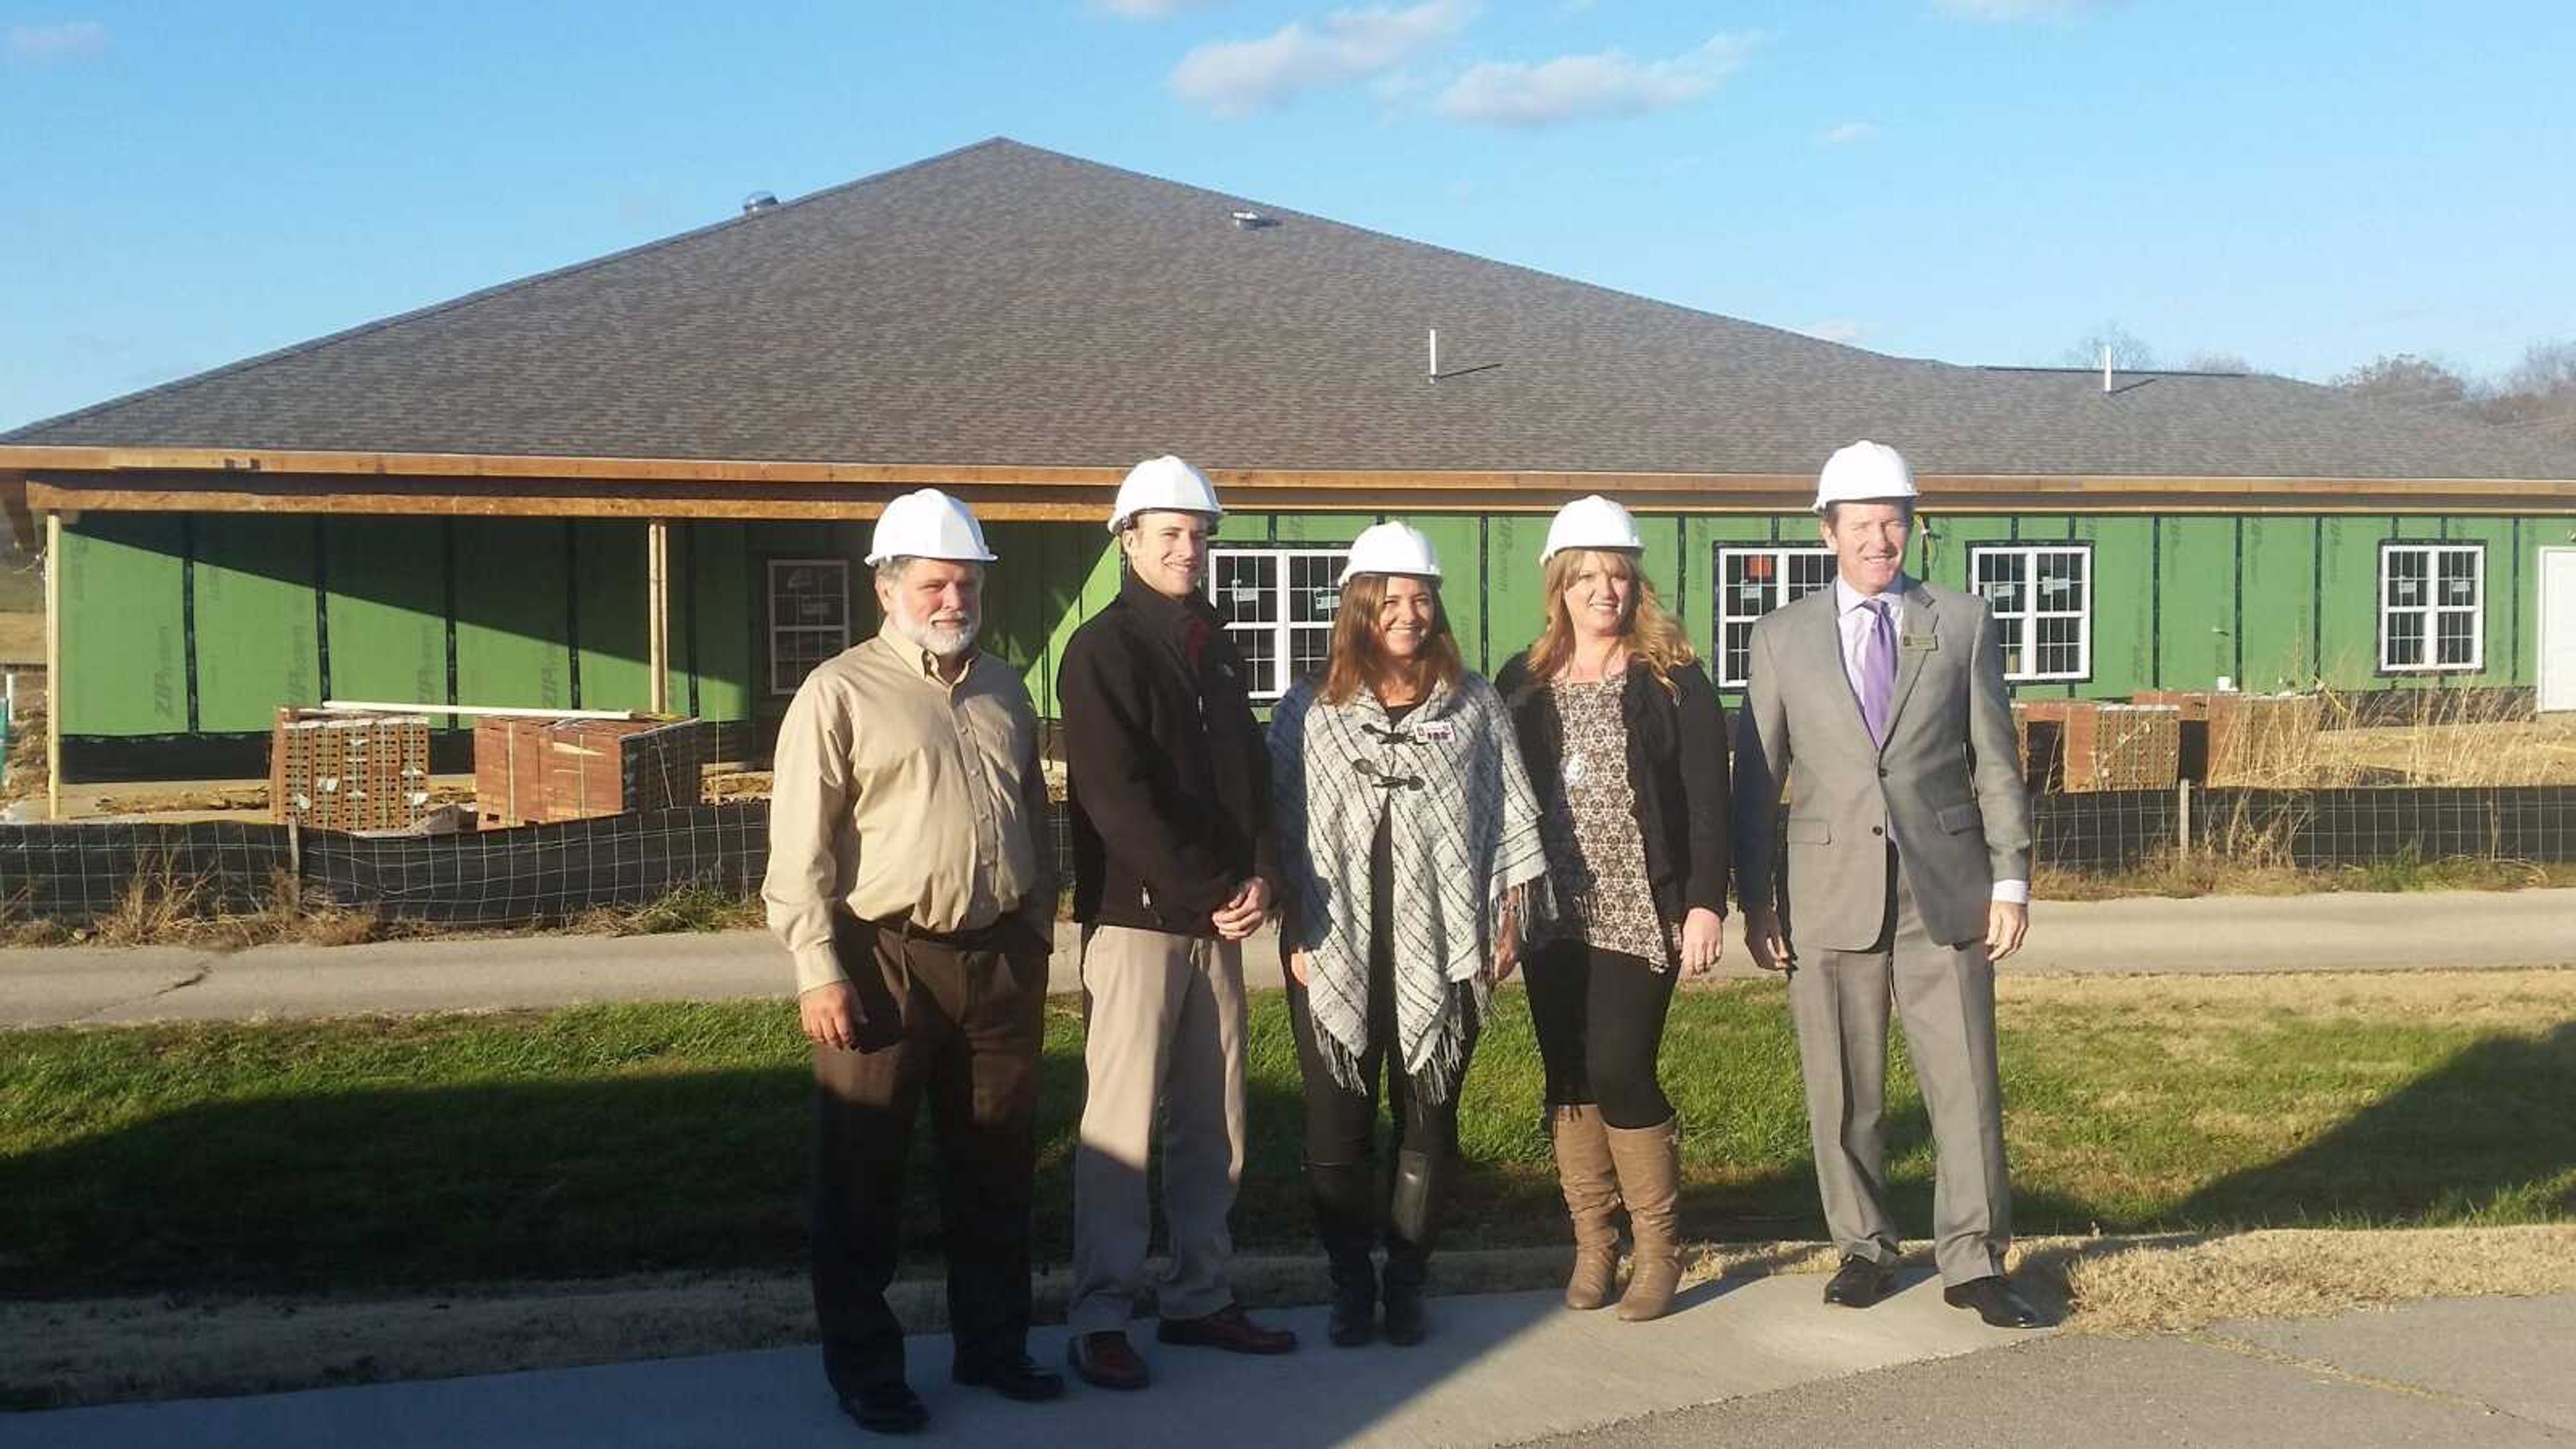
(2540, 392)
(2229, 362)
(2127, 350)
(2408, 381)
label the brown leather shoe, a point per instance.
(1107, 1361)
(1229, 1328)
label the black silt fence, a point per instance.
(2328, 828)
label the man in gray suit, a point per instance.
(1880, 704)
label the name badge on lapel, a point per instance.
(1438, 731)
(1922, 643)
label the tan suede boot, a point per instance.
(1649, 1161)
(1583, 1169)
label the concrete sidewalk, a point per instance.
(94, 985)
(1499, 1369)
(1757, 1362)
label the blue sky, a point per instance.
(2307, 185)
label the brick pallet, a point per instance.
(337, 770)
(2242, 739)
(2083, 745)
(536, 771)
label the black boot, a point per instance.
(1345, 1218)
(1412, 1221)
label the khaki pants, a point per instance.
(1945, 995)
(1163, 1034)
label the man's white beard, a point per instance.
(942, 641)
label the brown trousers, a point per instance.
(961, 1021)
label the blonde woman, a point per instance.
(1625, 743)
(1407, 838)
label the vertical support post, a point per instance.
(657, 574)
(53, 666)
(2182, 814)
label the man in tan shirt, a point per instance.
(910, 879)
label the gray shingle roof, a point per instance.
(1008, 305)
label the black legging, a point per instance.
(1600, 1022)
(1341, 1124)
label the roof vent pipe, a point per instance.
(2106, 367)
(1435, 354)
(758, 201)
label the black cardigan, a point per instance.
(1167, 775)
(1676, 764)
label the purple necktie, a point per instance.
(1877, 669)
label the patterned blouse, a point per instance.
(1588, 821)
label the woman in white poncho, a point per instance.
(1408, 839)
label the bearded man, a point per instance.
(908, 881)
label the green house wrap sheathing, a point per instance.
(194, 629)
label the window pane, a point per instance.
(2061, 646)
(1244, 593)
(2407, 568)
(2405, 631)
(2011, 628)
(1313, 592)
(1260, 648)
(2456, 640)
(1736, 664)
(2061, 579)
(1307, 649)
(1809, 570)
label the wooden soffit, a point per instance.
(206, 480)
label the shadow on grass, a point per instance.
(2485, 1136)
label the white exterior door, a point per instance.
(2558, 628)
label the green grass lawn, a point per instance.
(612, 1139)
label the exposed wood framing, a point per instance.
(54, 697)
(237, 481)
(657, 612)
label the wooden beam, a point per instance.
(657, 611)
(53, 666)
(22, 521)
(1024, 500)
(238, 468)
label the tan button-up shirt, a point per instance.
(897, 794)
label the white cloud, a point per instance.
(2007, 12)
(1843, 331)
(1148, 9)
(72, 40)
(1583, 87)
(1849, 133)
(1237, 77)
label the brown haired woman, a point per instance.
(1625, 743)
(1408, 837)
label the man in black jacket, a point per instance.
(1169, 792)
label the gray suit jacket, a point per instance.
(1947, 787)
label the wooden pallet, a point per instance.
(338, 770)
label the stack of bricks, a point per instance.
(2082, 745)
(341, 770)
(538, 771)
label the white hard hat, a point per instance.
(1160, 483)
(1862, 472)
(928, 524)
(1591, 522)
(1392, 548)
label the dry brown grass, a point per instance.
(163, 906)
(2450, 737)
(28, 765)
(2206, 874)
(2524, 1002)
(2164, 1285)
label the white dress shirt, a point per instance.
(1854, 624)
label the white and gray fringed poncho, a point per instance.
(1464, 830)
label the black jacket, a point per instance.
(1676, 764)
(1167, 777)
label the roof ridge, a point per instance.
(484, 294)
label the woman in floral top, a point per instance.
(1625, 742)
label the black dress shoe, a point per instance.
(1995, 1302)
(1017, 1377)
(1229, 1328)
(887, 1409)
(1107, 1361)
(1858, 1283)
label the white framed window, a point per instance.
(809, 617)
(2042, 597)
(1277, 604)
(2432, 608)
(1752, 580)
